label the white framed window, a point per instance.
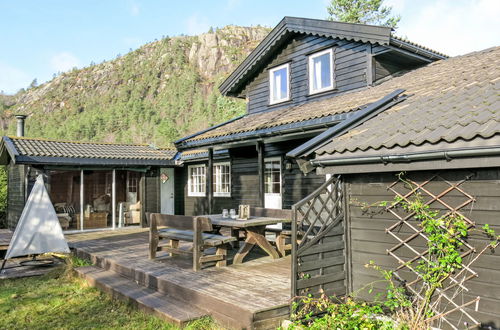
(321, 71)
(272, 176)
(196, 180)
(279, 83)
(222, 179)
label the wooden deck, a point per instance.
(5, 236)
(254, 294)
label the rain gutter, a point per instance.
(395, 159)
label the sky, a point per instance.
(41, 38)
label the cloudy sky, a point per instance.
(40, 38)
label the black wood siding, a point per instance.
(370, 242)
(245, 180)
(15, 193)
(350, 65)
(179, 190)
(152, 199)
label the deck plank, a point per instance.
(256, 285)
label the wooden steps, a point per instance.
(150, 301)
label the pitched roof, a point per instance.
(449, 104)
(292, 25)
(31, 150)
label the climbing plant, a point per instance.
(439, 267)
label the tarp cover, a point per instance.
(38, 230)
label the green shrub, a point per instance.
(339, 313)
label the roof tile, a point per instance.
(51, 148)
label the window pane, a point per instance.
(221, 179)
(280, 84)
(321, 72)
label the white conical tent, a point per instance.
(38, 230)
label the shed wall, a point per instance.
(15, 193)
(370, 242)
(152, 201)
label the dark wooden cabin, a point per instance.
(296, 83)
(89, 181)
(444, 133)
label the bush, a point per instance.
(339, 313)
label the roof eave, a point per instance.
(281, 130)
(61, 161)
(417, 50)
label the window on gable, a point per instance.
(321, 71)
(279, 83)
(196, 181)
(222, 180)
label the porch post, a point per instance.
(113, 199)
(210, 173)
(82, 208)
(142, 199)
(260, 160)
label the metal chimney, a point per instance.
(20, 125)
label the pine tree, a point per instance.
(362, 11)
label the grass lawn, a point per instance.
(59, 300)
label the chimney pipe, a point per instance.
(20, 125)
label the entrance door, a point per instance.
(272, 183)
(167, 190)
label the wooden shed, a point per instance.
(92, 185)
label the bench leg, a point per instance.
(153, 245)
(221, 251)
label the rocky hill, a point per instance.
(155, 94)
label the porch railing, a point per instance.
(318, 242)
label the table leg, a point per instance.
(235, 232)
(255, 236)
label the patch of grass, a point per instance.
(61, 301)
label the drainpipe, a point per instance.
(20, 125)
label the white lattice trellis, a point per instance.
(411, 239)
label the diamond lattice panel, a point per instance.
(449, 198)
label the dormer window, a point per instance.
(279, 83)
(321, 71)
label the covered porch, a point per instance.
(96, 198)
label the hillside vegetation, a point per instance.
(155, 94)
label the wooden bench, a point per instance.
(189, 229)
(281, 233)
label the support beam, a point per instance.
(82, 206)
(113, 199)
(142, 199)
(210, 176)
(260, 160)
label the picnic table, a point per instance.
(255, 229)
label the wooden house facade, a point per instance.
(291, 82)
